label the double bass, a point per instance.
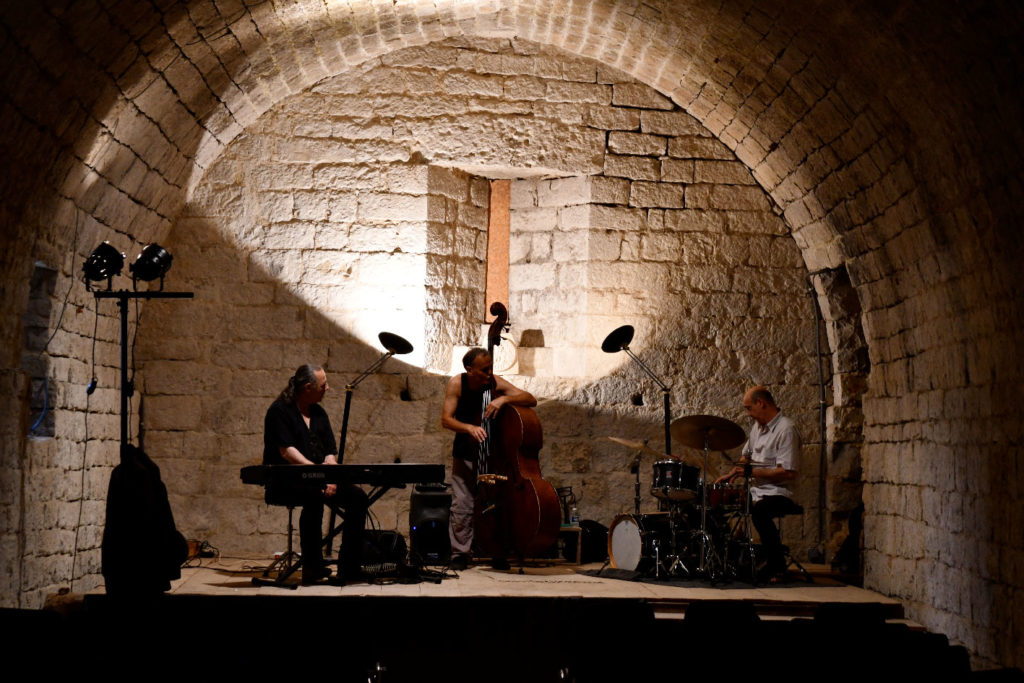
(516, 509)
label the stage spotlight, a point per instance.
(103, 264)
(153, 262)
(394, 344)
(618, 339)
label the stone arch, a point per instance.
(885, 154)
(349, 192)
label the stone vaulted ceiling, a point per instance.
(886, 133)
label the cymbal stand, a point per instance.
(748, 536)
(634, 467)
(708, 555)
(676, 566)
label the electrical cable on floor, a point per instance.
(204, 550)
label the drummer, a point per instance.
(774, 445)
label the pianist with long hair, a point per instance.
(297, 430)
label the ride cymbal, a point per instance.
(720, 433)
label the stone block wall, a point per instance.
(360, 206)
(548, 288)
(883, 131)
(455, 256)
(55, 484)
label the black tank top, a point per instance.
(469, 409)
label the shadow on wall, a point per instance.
(312, 233)
(211, 367)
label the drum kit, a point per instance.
(702, 529)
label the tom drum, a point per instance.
(674, 480)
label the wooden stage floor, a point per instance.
(232, 577)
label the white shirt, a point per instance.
(777, 443)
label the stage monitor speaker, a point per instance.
(428, 524)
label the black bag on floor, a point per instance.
(595, 541)
(142, 551)
(383, 547)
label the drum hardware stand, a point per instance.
(791, 561)
(677, 565)
(707, 549)
(707, 432)
(748, 536)
(635, 469)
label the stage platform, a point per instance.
(668, 599)
(548, 623)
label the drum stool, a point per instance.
(786, 554)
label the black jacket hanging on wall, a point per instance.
(142, 549)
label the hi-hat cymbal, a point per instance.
(721, 434)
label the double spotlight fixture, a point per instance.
(106, 262)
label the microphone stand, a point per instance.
(666, 394)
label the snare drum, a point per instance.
(674, 480)
(725, 494)
(637, 542)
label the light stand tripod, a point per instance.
(394, 345)
(619, 340)
(127, 388)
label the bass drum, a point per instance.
(637, 542)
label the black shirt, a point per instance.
(284, 427)
(470, 409)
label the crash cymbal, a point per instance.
(721, 434)
(637, 445)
